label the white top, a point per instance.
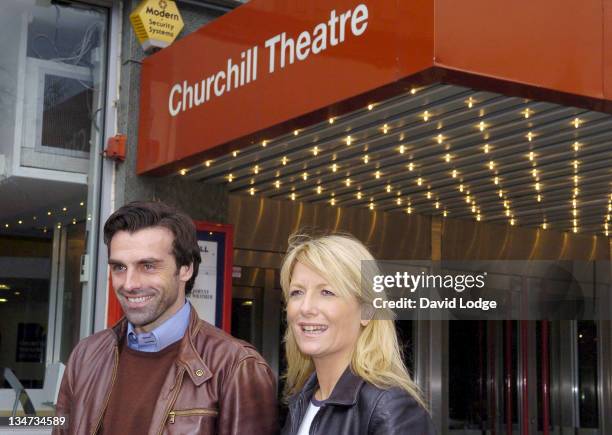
(308, 417)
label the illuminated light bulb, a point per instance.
(454, 173)
(81, 203)
(575, 222)
(377, 174)
(207, 163)
(447, 157)
(402, 149)
(574, 212)
(491, 165)
(230, 178)
(296, 132)
(413, 91)
(319, 190)
(609, 207)
(473, 209)
(606, 233)
(59, 225)
(531, 156)
(530, 136)
(420, 181)
(426, 116)
(606, 225)
(332, 201)
(508, 212)
(277, 184)
(411, 166)
(409, 210)
(576, 146)
(370, 106)
(544, 225)
(256, 169)
(486, 148)
(183, 172)
(526, 113)
(496, 180)
(537, 186)
(576, 191)
(461, 188)
(428, 194)
(506, 203)
(534, 173)
(264, 143)
(444, 213)
(305, 176)
(478, 217)
(574, 203)
(500, 193)
(539, 198)
(467, 199)
(331, 120)
(482, 126)
(349, 140)
(19, 222)
(234, 153)
(252, 181)
(359, 195)
(334, 167)
(348, 182)
(252, 191)
(576, 122)
(398, 201)
(6, 225)
(437, 205)
(371, 206)
(64, 209)
(366, 159)
(440, 138)
(512, 221)
(48, 213)
(315, 151)
(284, 161)
(34, 218)
(293, 196)
(388, 188)
(385, 129)
(470, 102)
(575, 230)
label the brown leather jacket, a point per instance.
(219, 385)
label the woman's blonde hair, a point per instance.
(377, 357)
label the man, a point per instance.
(161, 369)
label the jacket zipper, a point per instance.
(110, 391)
(187, 412)
(174, 397)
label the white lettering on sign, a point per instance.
(282, 51)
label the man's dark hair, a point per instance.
(138, 215)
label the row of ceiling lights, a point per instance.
(34, 220)
(440, 139)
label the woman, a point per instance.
(345, 373)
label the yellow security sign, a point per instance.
(156, 23)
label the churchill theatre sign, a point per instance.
(271, 56)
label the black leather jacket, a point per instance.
(356, 407)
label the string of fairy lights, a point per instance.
(46, 220)
(440, 150)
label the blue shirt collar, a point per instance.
(169, 332)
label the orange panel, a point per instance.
(556, 44)
(607, 49)
(397, 42)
